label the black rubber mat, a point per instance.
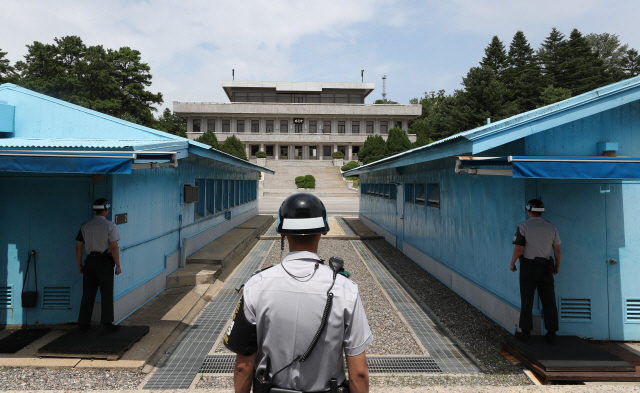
(94, 344)
(20, 339)
(570, 353)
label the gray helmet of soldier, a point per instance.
(302, 214)
(535, 206)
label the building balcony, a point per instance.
(293, 138)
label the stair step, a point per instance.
(192, 275)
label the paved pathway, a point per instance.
(191, 355)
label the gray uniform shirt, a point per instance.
(538, 237)
(287, 313)
(97, 233)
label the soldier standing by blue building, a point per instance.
(534, 240)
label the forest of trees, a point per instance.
(509, 82)
(114, 82)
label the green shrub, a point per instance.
(261, 154)
(299, 179)
(310, 179)
(349, 166)
(338, 154)
(352, 177)
(356, 183)
(301, 184)
(309, 185)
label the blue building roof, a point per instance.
(33, 121)
(504, 131)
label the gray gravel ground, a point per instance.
(480, 334)
(67, 379)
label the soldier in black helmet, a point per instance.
(534, 241)
(99, 237)
(296, 319)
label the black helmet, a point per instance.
(302, 214)
(535, 206)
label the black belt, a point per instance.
(538, 260)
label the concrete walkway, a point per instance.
(332, 204)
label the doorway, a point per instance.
(297, 152)
(284, 152)
(313, 152)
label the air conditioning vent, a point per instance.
(575, 310)
(56, 298)
(5, 297)
(632, 311)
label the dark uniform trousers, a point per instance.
(97, 273)
(537, 276)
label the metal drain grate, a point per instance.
(400, 365)
(223, 364)
(218, 364)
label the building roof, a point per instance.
(504, 131)
(366, 88)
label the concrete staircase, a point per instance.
(329, 182)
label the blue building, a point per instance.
(57, 158)
(453, 207)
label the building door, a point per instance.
(313, 152)
(284, 152)
(298, 129)
(399, 215)
(46, 215)
(297, 152)
(579, 211)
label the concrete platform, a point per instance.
(358, 227)
(194, 274)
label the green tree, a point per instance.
(385, 102)
(607, 48)
(133, 77)
(523, 76)
(173, 124)
(551, 95)
(422, 131)
(233, 146)
(374, 148)
(209, 138)
(397, 141)
(552, 54)
(495, 57)
(583, 70)
(7, 72)
(438, 111)
(630, 63)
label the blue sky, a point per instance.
(421, 46)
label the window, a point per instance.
(342, 149)
(236, 186)
(384, 127)
(270, 127)
(327, 98)
(397, 123)
(240, 126)
(355, 150)
(196, 125)
(408, 192)
(219, 195)
(420, 191)
(284, 126)
(369, 127)
(225, 195)
(340, 127)
(313, 98)
(255, 126)
(313, 126)
(239, 97)
(326, 127)
(232, 193)
(386, 191)
(298, 128)
(434, 195)
(269, 97)
(284, 152)
(284, 97)
(200, 206)
(254, 149)
(255, 97)
(356, 99)
(269, 150)
(342, 98)
(211, 197)
(241, 195)
(211, 125)
(393, 191)
(355, 127)
(226, 125)
(326, 151)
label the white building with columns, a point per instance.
(296, 120)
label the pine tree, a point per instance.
(583, 70)
(422, 130)
(232, 145)
(552, 54)
(630, 63)
(551, 95)
(209, 138)
(495, 57)
(397, 141)
(607, 48)
(523, 77)
(374, 149)
(173, 124)
(7, 72)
